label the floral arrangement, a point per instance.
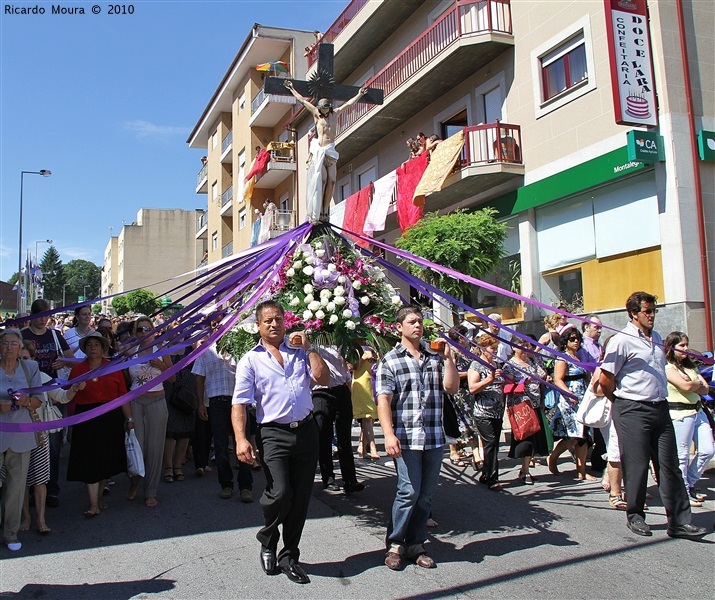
(336, 295)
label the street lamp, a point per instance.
(20, 285)
(37, 256)
(64, 288)
(84, 291)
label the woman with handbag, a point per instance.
(571, 378)
(15, 447)
(181, 404)
(97, 451)
(149, 409)
(486, 383)
(689, 421)
(521, 366)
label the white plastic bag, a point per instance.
(135, 459)
(593, 410)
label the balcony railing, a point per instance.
(491, 143)
(201, 268)
(202, 221)
(203, 174)
(463, 19)
(258, 100)
(226, 142)
(227, 250)
(338, 25)
(227, 196)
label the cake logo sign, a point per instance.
(632, 69)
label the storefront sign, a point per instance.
(631, 62)
(706, 145)
(645, 147)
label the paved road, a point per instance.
(557, 539)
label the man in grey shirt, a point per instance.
(633, 378)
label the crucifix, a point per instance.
(322, 168)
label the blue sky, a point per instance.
(106, 103)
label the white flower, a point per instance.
(317, 244)
(325, 273)
(349, 325)
(396, 300)
(324, 301)
(307, 288)
(342, 279)
(308, 299)
(339, 291)
(314, 305)
(307, 315)
(357, 285)
(320, 253)
(309, 260)
(347, 313)
(250, 327)
(339, 300)
(333, 319)
(377, 274)
(319, 314)
(325, 293)
(308, 271)
(297, 265)
(365, 300)
(295, 301)
(290, 272)
(331, 267)
(330, 306)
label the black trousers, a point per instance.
(222, 430)
(334, 406)
(490, 432)
(645, 433)
(288, 457)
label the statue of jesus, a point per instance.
(322, 168)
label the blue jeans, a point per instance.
(417, 480)
(694, 428)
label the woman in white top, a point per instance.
(149, 410)
(689, 421)
(81, 327)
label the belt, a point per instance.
(222, 397)
(288, 426)
(685, 406)
(647, 402)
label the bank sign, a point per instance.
(631, 62)
(645, 147)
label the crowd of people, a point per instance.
(453, 391)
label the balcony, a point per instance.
(491, 156)
(280, 166)
(226, 202)
(360, 29)
(281, 221)
(202, 267)
(202, 180)
(202, 225)
(463, 40)
(227, 250)
(226, 147)
(268, 109)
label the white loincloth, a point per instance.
(314, 184)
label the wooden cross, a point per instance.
(322, 84)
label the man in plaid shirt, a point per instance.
(411, 383)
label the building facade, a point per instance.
(530, 84)
(151, 253)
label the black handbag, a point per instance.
(183, 400)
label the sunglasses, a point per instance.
(574, 339)
(143, 329)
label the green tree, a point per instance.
(119, 305)
(53, 274)
(81, 274)
(13, 278)
(469, 242)
(96, 308)
(141, 301)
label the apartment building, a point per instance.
(537, 92)
(239, 121)
(150, 253)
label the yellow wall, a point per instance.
(609, 281)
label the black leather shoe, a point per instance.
(687, 532)
(295, 573)
(354, 487)
(268, 561)
(639, 527)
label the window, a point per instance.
(214, 240)
(242, 102)
(564, 67)
(214, 139)
(242, 218)
(454, 124)
(241, 174)
(214, 190)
